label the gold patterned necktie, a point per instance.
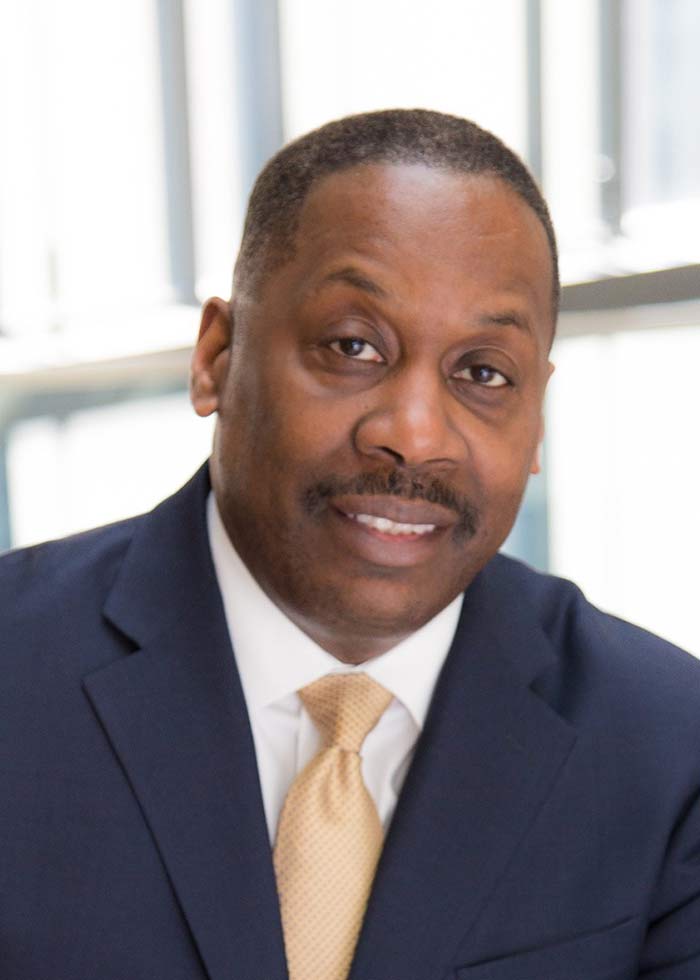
(329, 835)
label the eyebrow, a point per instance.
(353, 277)
(508, 318)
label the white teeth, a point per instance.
(391, 527)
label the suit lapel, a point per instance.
(176, 718)
(488, 758)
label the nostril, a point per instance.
(397, 457)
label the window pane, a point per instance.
(467, 58)
(83, 164)
(661, 101)
(624, 475)
(571, 129)
(93, 466)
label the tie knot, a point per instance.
(345, 707)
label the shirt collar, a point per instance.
(275, 658)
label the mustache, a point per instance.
(396, 483)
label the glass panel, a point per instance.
(571, 130)
(661, 136)
(624, 475)
(94, 466)
(84, 203)
(215, 126)
(467, 58)
(661, 101)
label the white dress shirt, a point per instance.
(275, 659)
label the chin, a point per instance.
(382, 612)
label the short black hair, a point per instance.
(391, 136)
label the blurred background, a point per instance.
(130, 133)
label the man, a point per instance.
(527, 805)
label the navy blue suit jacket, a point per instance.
(548, 829)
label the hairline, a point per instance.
(283, 187)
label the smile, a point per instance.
(389, 533)
(386, 526)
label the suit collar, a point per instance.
(167, 571)
(175, 715)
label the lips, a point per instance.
(386, 526)
(389, 532)
(414, 513)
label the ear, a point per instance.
(211, 356)
(536, 465)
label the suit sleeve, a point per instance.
(672, 946)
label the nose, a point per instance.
(410, 423)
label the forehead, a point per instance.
(426, 235)
(377, 194)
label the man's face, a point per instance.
(379, 402)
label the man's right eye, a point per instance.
(357, 349)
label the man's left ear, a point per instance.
(536, 465)
(210, 359)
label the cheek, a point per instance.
(501, 463)
(290, 443)
(307, 429)
(315, 445)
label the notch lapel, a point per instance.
(175, 715)
(488, 758)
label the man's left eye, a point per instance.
(483, 375)
(357, 349)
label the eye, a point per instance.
(484, 375)
(357, 349)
